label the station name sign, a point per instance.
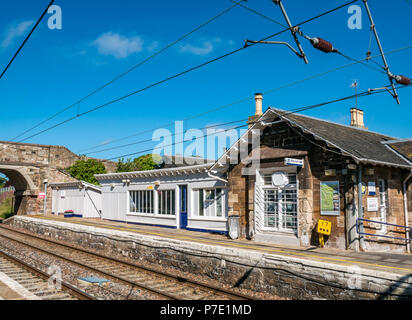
(294, 162)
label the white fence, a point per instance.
(7, 189)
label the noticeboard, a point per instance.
(329, 198)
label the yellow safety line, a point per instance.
(224, 244)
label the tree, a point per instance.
(3, 182)
(143, 163)
(86, 169)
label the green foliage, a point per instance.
(86, 169)
(6, 210)
(3, 182)
(143, 163)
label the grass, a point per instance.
(6, 209)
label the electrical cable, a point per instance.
(25, 40)
(172, 135)
(181, 73)
(129, 70)
(366, 93)
(240, 101)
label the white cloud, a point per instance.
(119, 46)
(15, 31)
(204, 48)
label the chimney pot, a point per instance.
(357, 118)
(258, 99)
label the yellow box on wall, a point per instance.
(324, 227)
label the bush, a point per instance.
(3, 182)
(86, 169)
(6, 210)
(143, 163)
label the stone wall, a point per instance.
(318, 159)
(284, 276)
(28, 165)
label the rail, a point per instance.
(81, 295)
(408, 230)
(158, 273)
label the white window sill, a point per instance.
(275, 231)
(207, 219)
(151, 215)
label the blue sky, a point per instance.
(101, 39)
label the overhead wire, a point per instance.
(236, 102)
(381, 70)
(181, 73)
(25, 40)
(129, 70)
(288, 112)
(239, 101)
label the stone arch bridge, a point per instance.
(28, 165)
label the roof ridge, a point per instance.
(335, 123)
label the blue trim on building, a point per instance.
(225, 233)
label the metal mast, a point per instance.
(293, 30)
(390, 75)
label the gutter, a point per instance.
(405, 206)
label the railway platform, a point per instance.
(300, 272)
(385, 261)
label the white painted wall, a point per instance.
(72, 198)
(115, 201)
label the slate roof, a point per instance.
(364, 145)
(183, 161)
(403, 147)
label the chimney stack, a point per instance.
(258, 99)
(258, 109)
(356, 116)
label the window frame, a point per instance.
(196, 192)
(171, 202)
(138, 201)
(288, 187)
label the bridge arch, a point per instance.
(26, 191)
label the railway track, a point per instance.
(161, 284)
(35, 281)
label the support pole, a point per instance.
(406, 210)
(360, 206)
(373, 28)
(45, 196)
(292, 30)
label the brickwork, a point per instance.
(28, 165)
(318, 159)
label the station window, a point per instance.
(141, 201)
(209, 203)
(166, 202)
(280, 204)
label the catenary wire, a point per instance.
(172, 135)
(180, 74)
(25, 40)
(365, 93)
(129, 70)
(381, 69)
(238, 101)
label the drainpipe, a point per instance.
(405, 207)
(360, 207)
(217, 178)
